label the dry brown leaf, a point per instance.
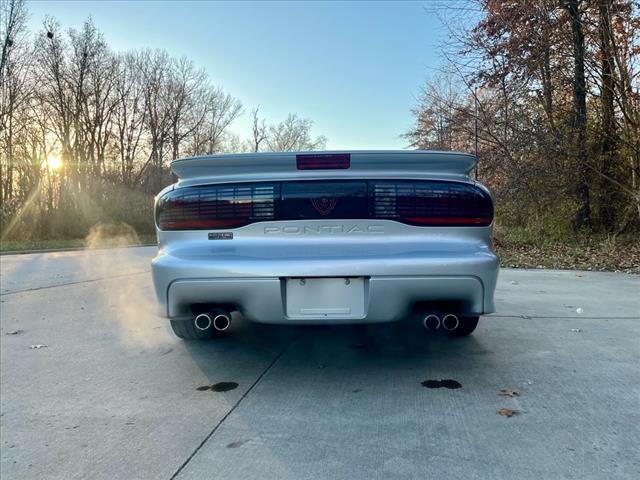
(509, 392)
(507, 412)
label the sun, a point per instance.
(54, 162)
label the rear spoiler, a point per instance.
(282, 165)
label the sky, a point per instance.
(354, 68)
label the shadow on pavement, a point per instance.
(349, 348)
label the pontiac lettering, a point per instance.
(324, 229)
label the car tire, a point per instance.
(186, 329)
(466, 326)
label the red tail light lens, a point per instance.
(323, 161)
(431, 203)
(216, 206)
(422, 203)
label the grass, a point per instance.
(26, 245)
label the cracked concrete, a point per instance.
(114, 395)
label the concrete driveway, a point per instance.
(115, 395)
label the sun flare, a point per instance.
(54, 162)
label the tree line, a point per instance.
(548, 92)
(87, 133)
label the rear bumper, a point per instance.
(256, 286)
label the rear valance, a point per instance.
(271, 165)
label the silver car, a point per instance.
(325, 238)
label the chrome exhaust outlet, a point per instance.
(450, 322)
(203, 322)
(431, 322)
(221, 322)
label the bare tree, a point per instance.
(258, 130)
(97, 101)
(294, 134)
(187, 89)
(130, 114)
(13, 14)
(14, 87)
(221, 110)
(54, 90)
(155, 68)
(440, 106)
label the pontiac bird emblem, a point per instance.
(323, 205)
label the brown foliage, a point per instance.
(553, 89)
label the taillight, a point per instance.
(419, 202)
(323, 161)
(431, 203)
(217, 206)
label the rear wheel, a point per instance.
(466, 325)
(187, 330)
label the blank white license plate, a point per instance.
(318, 298)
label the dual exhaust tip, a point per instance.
(219, 320)
(433, 322)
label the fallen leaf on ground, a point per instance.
(602, 254)
(446, 383)
(509, 392)
(38, 345)
(237, 444)
(507, 412)
(15, 332)
(218, 387)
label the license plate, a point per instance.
(322, 298)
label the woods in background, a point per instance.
(87, 134)
(547, 91)
(553, 88)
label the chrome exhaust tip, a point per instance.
(203, 322)
(221, 322)
(431, 322)
(450, 322)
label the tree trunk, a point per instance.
(583, 215)
(608, 191)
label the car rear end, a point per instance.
(318, 238)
